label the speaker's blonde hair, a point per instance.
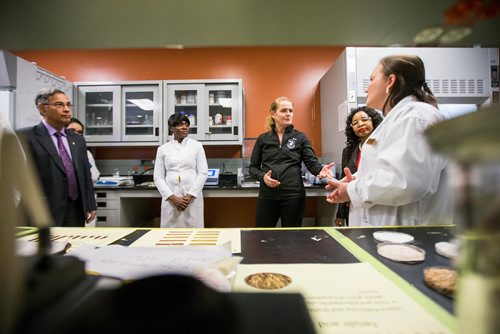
(269, 122)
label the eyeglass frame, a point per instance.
(363, 119)
(60, 105)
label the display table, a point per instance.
(325, 249)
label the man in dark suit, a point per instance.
(60, 157)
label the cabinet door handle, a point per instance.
(101, 204)
(157, 132)
(208, 133)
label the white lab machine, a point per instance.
(114, 181)
(213, 177)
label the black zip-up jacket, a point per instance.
(285, 163)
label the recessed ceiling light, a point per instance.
(455, 34)
(174, 46)
(428, 35)
(144, 104)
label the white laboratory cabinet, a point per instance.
(115, 113)
(214, 108)
(20, 82)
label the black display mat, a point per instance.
(130, 238)
(292, 246)
(425, 238)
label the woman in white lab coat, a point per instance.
(400, 181)
(179, 174)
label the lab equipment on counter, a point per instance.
(213, 177)
(114, 181)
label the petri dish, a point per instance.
(394, 237)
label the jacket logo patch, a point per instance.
(291, 143)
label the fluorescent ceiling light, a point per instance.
(455, 34)
(225, 102)
(428, 35)
(144, 104)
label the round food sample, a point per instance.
(401, 252)
(447, 249)
(441, 279)
(394, 237)
(268, 281)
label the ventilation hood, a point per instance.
(455, 75)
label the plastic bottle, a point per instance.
(192, 119)
(218, 119)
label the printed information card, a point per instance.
(344, 298)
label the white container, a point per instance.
(211, 98)
(192, 119)
(218, 119)
(240, 177)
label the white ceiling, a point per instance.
(74, 24)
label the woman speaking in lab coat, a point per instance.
(180, 172)
(399, 181)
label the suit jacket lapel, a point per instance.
(43, 137)
(73, 146)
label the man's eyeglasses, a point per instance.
(362, 119)
(60, 105)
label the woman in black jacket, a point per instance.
(276, 163)
(359, 126)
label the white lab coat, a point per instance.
(187, 160)
(94, 172)
(400, 181)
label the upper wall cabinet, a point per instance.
(214, 108)
(120, 112)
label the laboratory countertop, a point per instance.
(208, 191)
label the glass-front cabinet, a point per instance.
(98, 110)
(142, 113)
(120, 112)
(214, 109)
(188, 100)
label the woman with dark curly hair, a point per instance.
(359, 125)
